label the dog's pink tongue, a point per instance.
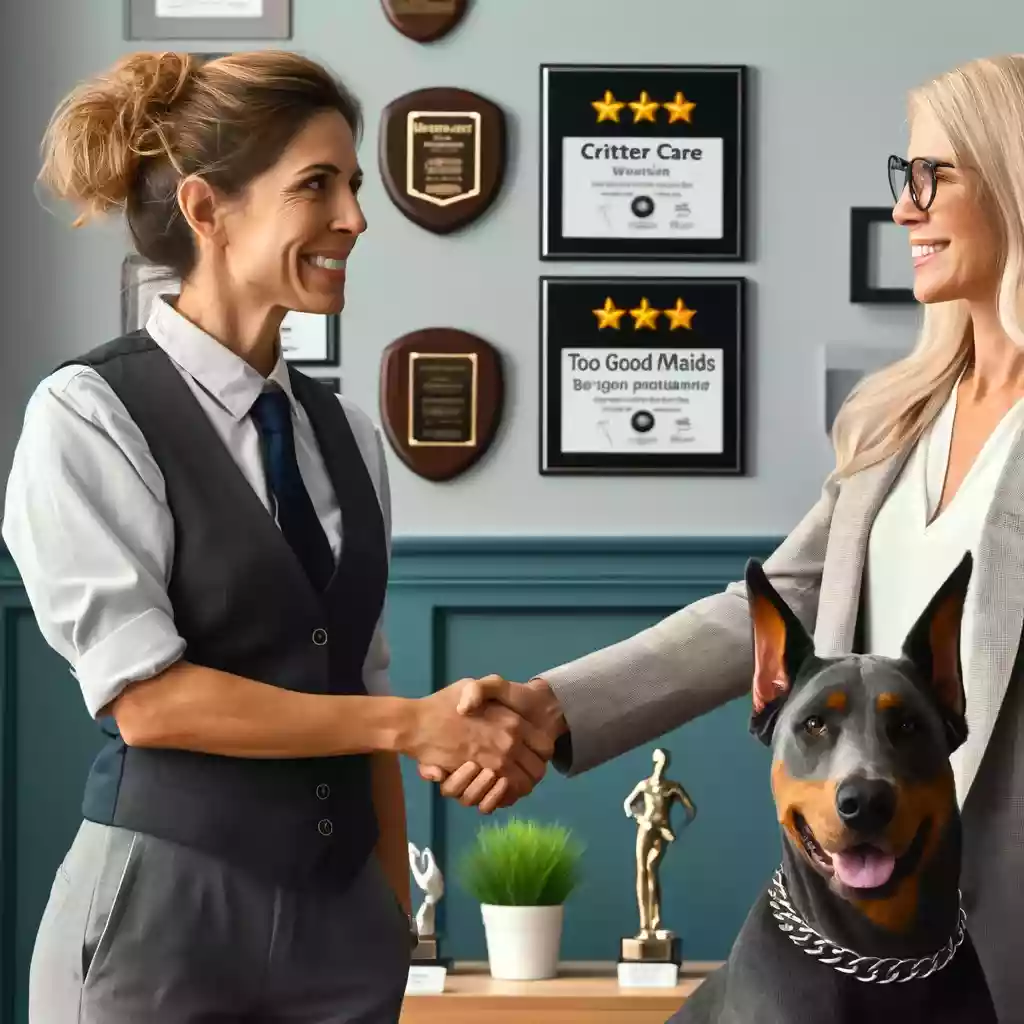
(863, 867)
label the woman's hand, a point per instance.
(462, 723)
(473, 783)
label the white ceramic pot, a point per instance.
(523, 943)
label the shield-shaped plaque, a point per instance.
(424, 20)
(441, 398)
(442, 156)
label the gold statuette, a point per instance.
(650, 805)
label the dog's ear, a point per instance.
(933, 646)
(781, 645)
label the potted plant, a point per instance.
(522, 872)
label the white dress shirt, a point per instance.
(86, 517)
(911, 551)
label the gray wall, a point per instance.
(827, 108)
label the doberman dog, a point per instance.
(861, 923)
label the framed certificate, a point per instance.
(642, 375)
(208, 19)
(643, 162)
(307, 339)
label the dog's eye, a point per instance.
(908, 725)
(814, 726)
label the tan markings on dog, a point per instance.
(815, 801)
(769, 652)
(917, 802)
(837, 700)
(888, 701)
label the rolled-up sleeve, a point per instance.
(87, 524)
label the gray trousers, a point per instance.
(138, 929)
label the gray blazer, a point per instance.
(699, 658)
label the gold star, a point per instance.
(609, 316)
(680, 316)
(644, 315)
(679, 109)
(643, 108)
(608, 108)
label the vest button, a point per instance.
(324, 827)
(319, 637)
(323, 791)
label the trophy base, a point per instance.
(650, 962)
(428, 971)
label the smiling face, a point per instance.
(286, 239)
(954, 246)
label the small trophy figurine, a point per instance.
(653, 956)
(428, 970)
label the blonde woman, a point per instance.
(204, 533)
(929, 463)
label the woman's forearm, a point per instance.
(192, 707)
(393, 843)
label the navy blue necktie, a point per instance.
(295, 513)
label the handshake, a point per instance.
(487, 741)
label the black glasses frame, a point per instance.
(906, 168)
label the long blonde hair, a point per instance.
(980, 105)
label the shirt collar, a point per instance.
(224, 375)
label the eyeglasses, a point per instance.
(918, 174)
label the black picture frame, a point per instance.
(862, 292)
(141, 281)
(143, 20)
(568, 93)
(571, 313)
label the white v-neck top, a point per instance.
(911, 552)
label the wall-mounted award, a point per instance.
(441, 398)
(442, 156)
(642, 162)
(642, 375)
(424, 20)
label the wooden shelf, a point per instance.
(583, 993)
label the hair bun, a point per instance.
(104, 127)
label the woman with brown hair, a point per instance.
(204, 535)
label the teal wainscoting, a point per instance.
(457, 607)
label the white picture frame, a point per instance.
(307, 339)
(208, 19)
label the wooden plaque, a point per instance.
(441, 399)
(442, 156)
(424, 20)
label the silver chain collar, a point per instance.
(864, 968)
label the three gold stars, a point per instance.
(645, 316)
(644, 108)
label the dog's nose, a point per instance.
(866, 805)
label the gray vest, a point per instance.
(244, 605)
